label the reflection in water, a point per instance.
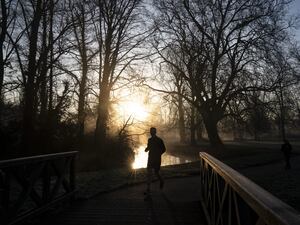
(141, 157)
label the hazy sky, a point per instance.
(295, 9)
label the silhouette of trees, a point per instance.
(222, 45)
(82, 53)
(4, 24)
(119, 35)
(7, 26)
(223, 64)
(37, 44)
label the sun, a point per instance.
(135, 110)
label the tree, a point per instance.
(38, 44)
(82, 54)
(282, 66)
(116, 26)
(258, 116)
(6, 25)
(2, 39)
(221, 45)
(30, 77)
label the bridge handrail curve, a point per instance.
(268, 209)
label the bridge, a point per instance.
(219, 195)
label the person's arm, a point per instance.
(163, 147)
(147, 148)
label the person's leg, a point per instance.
(161, 181)
(288, 165)
(149, 178)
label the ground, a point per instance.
(177, 204)
(249, 158)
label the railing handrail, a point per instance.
(271, 209)
(30, 185)
(36, 158)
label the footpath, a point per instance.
(177, 204)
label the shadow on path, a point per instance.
(177, 204)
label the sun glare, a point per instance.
(140, 158)
(135, 110)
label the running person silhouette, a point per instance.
(156, 148)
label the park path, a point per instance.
(284, 184)
(177, 204)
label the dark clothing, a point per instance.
(286, 148)
(156, 148)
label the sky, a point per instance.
(295, 9)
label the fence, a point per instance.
(228, 197)
(31, 185)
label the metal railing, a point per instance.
(228, 197)
(31, 185)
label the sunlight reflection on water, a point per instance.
(141, 157)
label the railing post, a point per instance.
(46, 183)
(27, 192)
(227, 198)
(72, 174)
(6, 195)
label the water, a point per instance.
(141, 158)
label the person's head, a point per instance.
(153, 131)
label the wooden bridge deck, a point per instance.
(178, 203)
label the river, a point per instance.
(141, 157)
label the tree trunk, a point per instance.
(282, 111)
(211, 125)
(81, 100)
(30, 91)
(199, 131)
(43, 75)
(181, 120)
(102, 117)
(82, 85)
(2, 39)
(193, 127)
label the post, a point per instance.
(239, 201)
(72, 174)
(16, 191)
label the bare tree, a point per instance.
(81, 42)
(118, 42)
(221, 45)
(7, 25)
(38, 44)
(282, 66)
(3, 26)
